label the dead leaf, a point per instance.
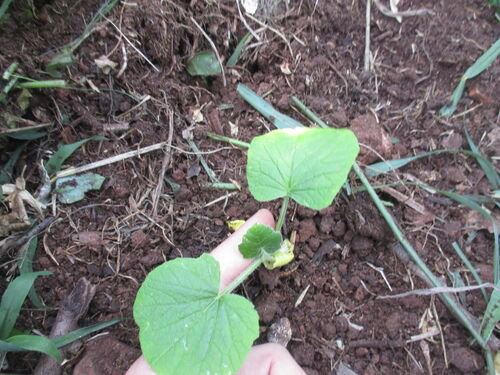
(105, 64)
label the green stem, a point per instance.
(56, 83)
(413, 254)
(220, 185)
(242, 277)
(309, 113)
(281, 218)
(232, 141)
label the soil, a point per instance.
(343, 253)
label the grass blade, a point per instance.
(6, 171)
(373, 170)
(470, 267)
(278, 119)
(4, 8)
(233, 60)
(81, 332)
(55, 162)
(416, 258)
(25, 265)
(488, 169)
(492, 314)
(31, 343)
(13, 299)
(481, 64)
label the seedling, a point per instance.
(188, 326)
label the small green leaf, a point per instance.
(82, 332)
(12, 300)
(31, 343)
(60, 61)
(186, 326)
(55, 162)
(6, 171)
(233, 60)
(27, 135)
(204, 64)
(72, 189)
(481, 64)
(260, 238)
(309, 165)
(23, 100)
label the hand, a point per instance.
(267, 359)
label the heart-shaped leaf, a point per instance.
(309, 165)
(187, 326)
(259, 238)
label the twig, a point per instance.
(250, 30)
(14, 242)
(367, 35)
(110, 160)
(17, 130)
(132, 45)
(164, 166)
(214, 49)
(407, 13)
(75, 306)
(439, 290)
(493, 343)
(274, 31)
(124, 63)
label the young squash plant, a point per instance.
(187, 325)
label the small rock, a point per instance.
(393, 324)
(453, 141)
(339, 229)
(372, 134)
(267, 309)
(280, 332)
(307, 229)
(105, 355)
(326, 224)
(466, 360)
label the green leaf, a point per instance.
(72, 189)
(12, 300)
(27, 135)
(492, 314)
(65, 151)
(186, 326)
(488, 168)
(25, 265)
(6, 171)
(260, 238)
(23, 100)
(309, 165)
(81, 332)
(233, 60)
(3, 8)
(278, 119)
(204, 64)
(60, 61)
(481, 64)
(31, 343)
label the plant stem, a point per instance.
(281, 218)
(312, 116)
(220, 185)
(242, 277)
(57, 83)
(232, 141)
(413, 254)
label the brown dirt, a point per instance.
(116, 235)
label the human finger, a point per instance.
(232, 263)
